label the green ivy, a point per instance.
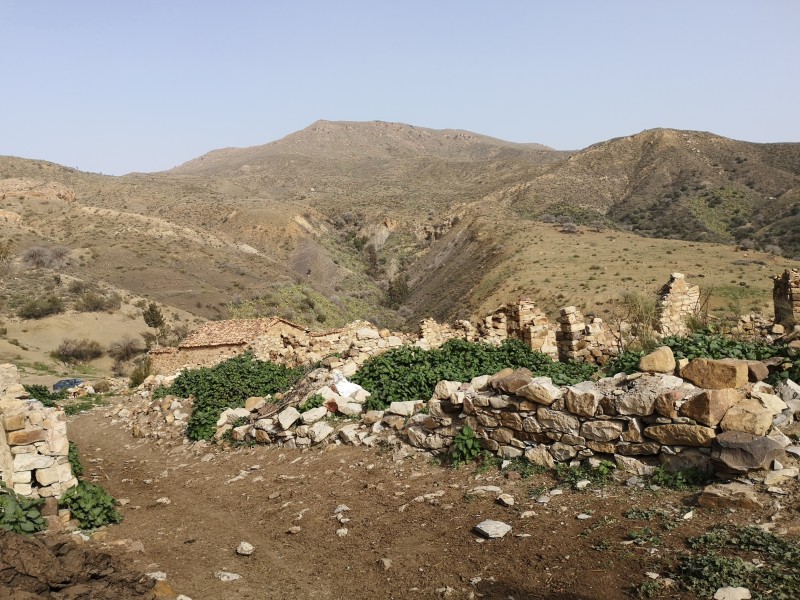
(313, 401)
(228, 385)
(43, 395)
(75, 460)
(20, 514)
(91, 505)
(411, 373)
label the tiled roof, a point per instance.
(227, 333)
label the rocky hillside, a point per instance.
(394, 223)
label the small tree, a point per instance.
(153, 316)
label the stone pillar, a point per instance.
(677, 301)
(33, 442)
(572, 326)
(786, 297)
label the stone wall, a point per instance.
(677, 301)
(33, 442)
(584, 340)
(639, 420)
(172, 360)
(786, 297)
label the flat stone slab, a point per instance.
(492, 529)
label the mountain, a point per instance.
(395, 223)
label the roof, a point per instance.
(232, 332)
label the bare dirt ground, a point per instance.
(218, 498)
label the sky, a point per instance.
(121, 86)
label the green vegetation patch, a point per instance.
(228, 385)
(410, 373)
(728, 556)
(91, 505)
(20, 514)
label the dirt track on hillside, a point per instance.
(218, 498)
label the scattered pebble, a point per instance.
(227, 576)
(505, 499)
(341, 532)
(157, 575)
(293, 530)
(164, 500)
(245, 549)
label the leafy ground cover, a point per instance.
(227, 385)
(410, 373)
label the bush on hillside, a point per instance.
(38, 308)
(410, 373)
(228, 385)
(94, 302)
(77, 351)
(125, 349)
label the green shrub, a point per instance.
(91, 505)
(410, 373)
(20, 514)
(228, 385)
(77, 351)
(75, 460)
(41, 307)
(465, 448)
(45, 396)
(313, 401)
(94, 302)
(140, 372)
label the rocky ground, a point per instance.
(387, 522)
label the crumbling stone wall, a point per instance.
(677, 302)
(172, 360)
(585, 340)
(638, 420)
(33, 442)
(786, 297)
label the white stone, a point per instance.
(314, 415)
(404, 409)
(288, 417)
(319, 431)
(245, 549)
(350, 409)
(29, 462)
(492, 529)
(227, 576)
(732, 593)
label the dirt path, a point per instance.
(220, 498)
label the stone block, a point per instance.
(716, 374)
(602, 431)
(709, 406)
(558, 421)
(739, 452)
(681, 435)
(23, 437)
(748, 416)
(14, 421)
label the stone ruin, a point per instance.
(677, 301)
(786, 298)
(33, 442)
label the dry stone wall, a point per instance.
(639, 420)
(33, 442)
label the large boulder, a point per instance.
(716, 374)
(661, 360)
(739, 452)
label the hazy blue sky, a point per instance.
(115, 86)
